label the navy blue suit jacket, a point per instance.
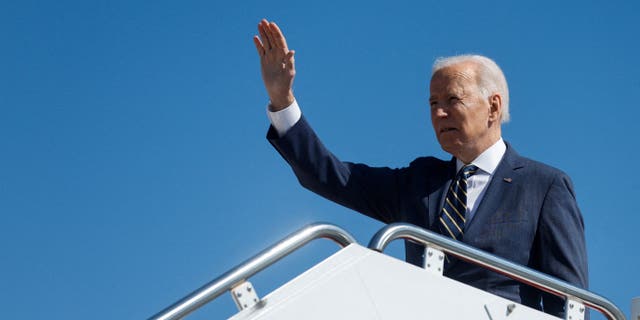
(528, 214)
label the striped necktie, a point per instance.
(453, 215)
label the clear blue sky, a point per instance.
(133, 162)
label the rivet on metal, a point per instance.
(510, 308)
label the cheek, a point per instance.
(478, 120)
(433, 114)
(433, 119)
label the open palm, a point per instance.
(277, 64)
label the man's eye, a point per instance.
(453, 99)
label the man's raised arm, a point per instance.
(277, 64)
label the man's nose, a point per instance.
(440, 113)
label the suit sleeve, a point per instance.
(561, 247)
(368, 190)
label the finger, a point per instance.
(259, 46)
(271, 34)
(279, 39)
(263, 34)
(289, 59)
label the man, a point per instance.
(487, 196)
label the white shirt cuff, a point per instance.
(284, 119)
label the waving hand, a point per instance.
(277, 64)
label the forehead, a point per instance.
(457, 77)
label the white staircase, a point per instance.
(358, 283)
(363, 283)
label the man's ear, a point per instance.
(495, 107)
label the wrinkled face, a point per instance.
(460, 113)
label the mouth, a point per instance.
(447, 129)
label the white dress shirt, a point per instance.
(284, 119)
(487, 161)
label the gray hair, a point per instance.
(491, 79)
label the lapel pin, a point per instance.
(507, 179)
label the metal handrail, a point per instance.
(523, 274)
(252, 266)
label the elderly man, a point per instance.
(486, 196)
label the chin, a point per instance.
(450, 148)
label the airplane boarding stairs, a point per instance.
(363, 283)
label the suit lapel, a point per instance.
(501, 188)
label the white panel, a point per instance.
(358, 283)
(319, 293)
(635, 308)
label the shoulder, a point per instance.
(429, 163)
(543, 169)
(536, 172)
(430, 169)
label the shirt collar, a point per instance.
(489, 159)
